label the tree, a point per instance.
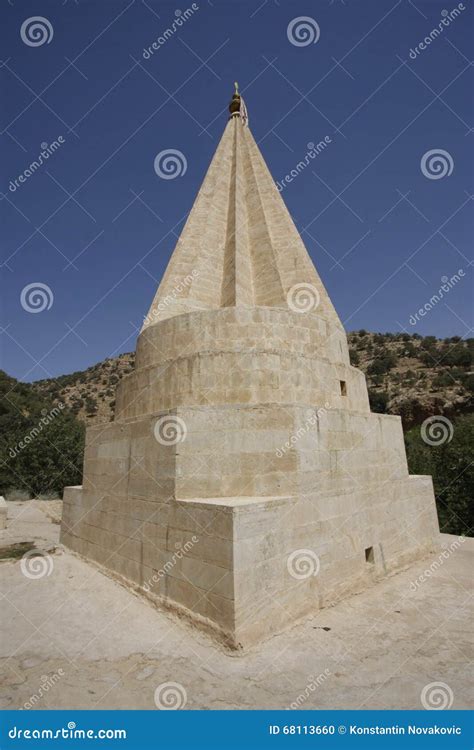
(382, 364)
(408, 350)
(458, 356)
(41, 444)
(451, 466)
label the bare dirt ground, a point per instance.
(74, 638)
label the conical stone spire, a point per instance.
(239, 247)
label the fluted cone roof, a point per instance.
(239, 246)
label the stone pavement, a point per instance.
(75, 638)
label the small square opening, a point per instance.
(369, 555)
(343, 385)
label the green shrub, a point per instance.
(443, 380)
(378, 401)
(468, 383)
(408, 350)
(382, 364)
(452, 469)
(458, 356)
(354, 356)
(41, 446)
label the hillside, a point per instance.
(407, 375)
(90, 394)
(415, 376)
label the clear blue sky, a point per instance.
(97, 225)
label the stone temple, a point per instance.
(244, 481)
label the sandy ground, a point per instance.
(77, 639)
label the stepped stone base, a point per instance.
(326, 507)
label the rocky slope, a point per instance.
(415, 376)
(90, 394)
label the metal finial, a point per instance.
(234, 106)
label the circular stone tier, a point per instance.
(237, 329)
(241, 356)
